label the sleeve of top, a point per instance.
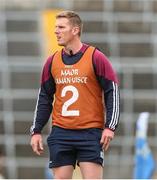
(108, 80)
(45, 98)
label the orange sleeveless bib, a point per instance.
(78, 99)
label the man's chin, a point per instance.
(60, 44)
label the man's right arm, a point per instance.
(45, 98)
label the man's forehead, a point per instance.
(62, 21)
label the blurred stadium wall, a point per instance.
(125, 30)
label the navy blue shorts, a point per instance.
(68, 147)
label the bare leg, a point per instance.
(91, 170)
(63, 172)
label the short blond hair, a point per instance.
(73, 18)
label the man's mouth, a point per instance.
(58, 38)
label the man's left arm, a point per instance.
(108, 80)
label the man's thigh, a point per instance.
(91, 170)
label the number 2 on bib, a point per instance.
(75, 95)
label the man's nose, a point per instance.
(56, 31)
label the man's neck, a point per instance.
(73, 48)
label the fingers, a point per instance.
(41, 145)
(106, 137)
(37, 148)
(37, 144)
(102, 139)
(105, 143)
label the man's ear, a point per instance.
(75, 30)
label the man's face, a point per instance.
(64, 31)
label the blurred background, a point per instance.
(125, 30)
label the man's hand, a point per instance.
(37, 144)
(107, 136)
